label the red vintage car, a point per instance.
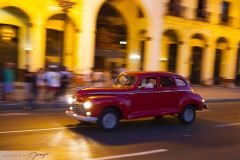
(137, 95)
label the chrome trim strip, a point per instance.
(94, 93)
(164, 91)
(138, 92)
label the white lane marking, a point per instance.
(205, 110)
(29, 114)
(131, 154)
(15, 114)
(227, 125)
(41, 129)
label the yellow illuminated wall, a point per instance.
(80, 28)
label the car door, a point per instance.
(168, 95)
(145, 97)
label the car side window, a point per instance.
(167, 82)
(180, 82)
(148, 82)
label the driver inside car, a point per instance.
(146, 83)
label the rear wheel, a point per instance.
(109, 119)
(85, 123)
(188, 115)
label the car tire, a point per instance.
(187, 116)
(85, 123)
(109, 119)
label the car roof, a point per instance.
(145, 73)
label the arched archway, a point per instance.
(59, 40)
(222, 47)
(14, 38)
(130, 43)
(111, 38)
(198, 43)
(170, 42)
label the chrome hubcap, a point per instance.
(188, 114)
(109, 120)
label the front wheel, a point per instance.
(109, 119)
(187, 116)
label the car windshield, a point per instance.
(125, 80)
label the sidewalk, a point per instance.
(218, 93)
(212, 94)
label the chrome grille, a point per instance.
(79, 109)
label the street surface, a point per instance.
(215, 135)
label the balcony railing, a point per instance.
(226, 20)
(202, 15)
(175, 9)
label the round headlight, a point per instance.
(71, 100)
(87, 105)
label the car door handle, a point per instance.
(166, 91)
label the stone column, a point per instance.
(230, 69)
(163, 60)
(68, 45)
(133, 57)
(153, 49)
(22, 50)
(37, 46)
(85, 45)
(85, 36)
(207, 74)
(183, 58)
(154, 33)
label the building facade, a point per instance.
(198, 39)
(201, 40)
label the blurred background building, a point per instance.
(199, 39)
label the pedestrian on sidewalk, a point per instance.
(1, 86)
(53, 79)
(33, 89)
(66, 77)
(30, 86)
(114, 72)
(28, 83)
(41, 85)
(8, 82)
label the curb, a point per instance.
(223, 100)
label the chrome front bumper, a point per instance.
(81, 118)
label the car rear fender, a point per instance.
(192, 99)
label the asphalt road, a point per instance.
(49, 134)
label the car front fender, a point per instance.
(99, 103)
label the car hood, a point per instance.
(103, 91)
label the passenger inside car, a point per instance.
(148, 83)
